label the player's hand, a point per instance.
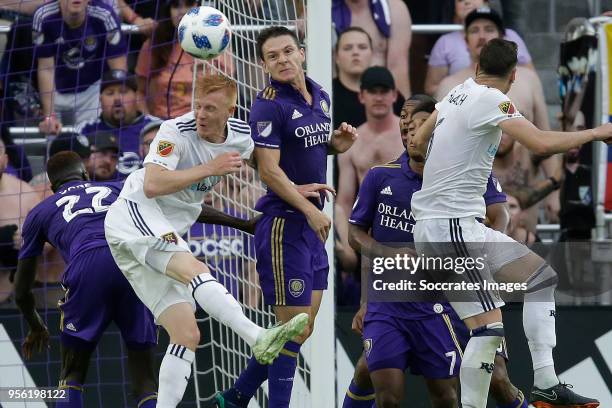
(37, 340)
(314, 190)
(50, 125)
(320, 223)
(357, 324)
(145, 25)
(225, 163)
(344, 137)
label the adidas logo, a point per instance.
(296, 114)
(386, 190)
(71, 327)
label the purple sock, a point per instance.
(247, 384)
(280, 375)
(519, 402)
(74, 392)
(358, 398)
(147, 400)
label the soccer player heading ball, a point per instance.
(158, 205)
(463, 133)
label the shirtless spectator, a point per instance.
(389, 25)
(516, 229)
(17, 198)
(450, 53)
(353, 57)
(378, 141)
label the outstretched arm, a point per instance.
(548, 142)
(210, 215)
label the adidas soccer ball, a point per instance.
(204, 32)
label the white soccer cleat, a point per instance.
(271, 341)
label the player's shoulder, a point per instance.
(182, 125)
(99, 10)
(392, 168)
(239, 126)
(44, 12)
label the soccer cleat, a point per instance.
(560, 396)
(271, 341)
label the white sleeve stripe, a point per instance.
(266, 145)
(104, 15)
(42, 13)
(232, 126)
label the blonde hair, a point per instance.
(215, 82)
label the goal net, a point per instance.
(223, 355)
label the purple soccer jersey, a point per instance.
(80, 53)
(383, 204)
(223, 249)
(129, 141)
(72, 220)
(282, 119)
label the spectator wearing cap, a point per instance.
(147, 134)
(121, 117)
(74, 42)
(450, 53)
(165, 72)
(379, 139)
(516, 168)
(103, 160)
(389, 25)
(353, 57)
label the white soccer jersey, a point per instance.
(461, 152)
(177, 146)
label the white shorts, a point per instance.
(468, 238)
(142, 242)
(78, 108)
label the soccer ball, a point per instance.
(204, 32)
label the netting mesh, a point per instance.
(238, 194)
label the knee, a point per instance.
(188, 337)
(306, 333)
(362, 374)
(387, 399)
(446, 398)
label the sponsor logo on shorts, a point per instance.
(507, 108)
(71, 327)
(367, 346)
(296, 287)
(164, 148)
(170, 237)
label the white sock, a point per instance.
(221, 305)
(174, 374)
(477, 364)
(539, 325)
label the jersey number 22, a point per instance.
(100, 193)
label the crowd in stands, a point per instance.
(68, 64)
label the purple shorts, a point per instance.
(98, 293)
(431, 347)
(291, 261)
